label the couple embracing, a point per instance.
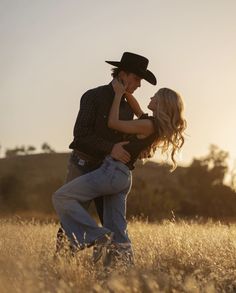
(107, 142)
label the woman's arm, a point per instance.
(134, 104)
(144, 126)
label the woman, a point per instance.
(164, 129)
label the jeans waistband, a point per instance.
(83, 156)
(83, 159)
(121, 165)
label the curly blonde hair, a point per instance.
(170, 124)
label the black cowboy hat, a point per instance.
(136, 64)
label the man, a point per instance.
(93, 140)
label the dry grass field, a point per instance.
(170, 257)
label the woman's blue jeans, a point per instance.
(112, 180)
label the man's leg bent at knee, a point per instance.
(74, 171)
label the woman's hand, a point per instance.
(118, 87)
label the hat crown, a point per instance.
(131, 59)
(136, 64)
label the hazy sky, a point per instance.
(51, 51)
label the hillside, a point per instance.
(38, 166)
(34, 169)
(27, 183)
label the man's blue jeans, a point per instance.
(113, 180)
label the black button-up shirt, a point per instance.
(91, 133)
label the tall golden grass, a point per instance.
(169, 257)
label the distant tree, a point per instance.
(233, 178)
(205, 192)
(46, 148)
(15, 152)
(21, 150)
(30, 149)
(216, 164)
(10, 153)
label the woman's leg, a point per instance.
(79, 227)
(73, 171)
(75, 220)
(119, 252)
(114, 218)
(114, 208)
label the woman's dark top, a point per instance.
(137, 145)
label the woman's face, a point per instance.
(153, 104)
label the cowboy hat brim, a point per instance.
(147, 74)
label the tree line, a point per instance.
(27, 150)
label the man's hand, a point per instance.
(119, 153)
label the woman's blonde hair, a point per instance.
(170, 124)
